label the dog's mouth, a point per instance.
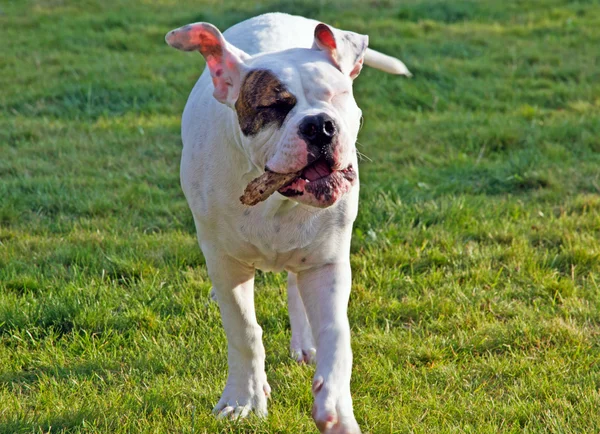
(320, 181)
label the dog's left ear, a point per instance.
(346, 49)
(224, 61)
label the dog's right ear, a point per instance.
(346, 49)
(225, 62)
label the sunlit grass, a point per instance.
(476, 253)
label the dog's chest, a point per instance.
(291, 240)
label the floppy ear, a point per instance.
(225, 62)
(346, 49)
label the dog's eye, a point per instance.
(277, 105)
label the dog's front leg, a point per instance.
(325, 292)
(247, 388)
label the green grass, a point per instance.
(476, 253)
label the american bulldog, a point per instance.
(276, 95)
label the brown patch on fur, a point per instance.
(263, 100)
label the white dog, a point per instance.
(277, 95)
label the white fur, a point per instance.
(312, 244)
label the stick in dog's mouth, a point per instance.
(259, 189)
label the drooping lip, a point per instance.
(320, 180)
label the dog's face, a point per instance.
(297, 114)
(295, 108)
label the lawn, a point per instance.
(476, 254)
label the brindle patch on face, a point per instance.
(263, 100)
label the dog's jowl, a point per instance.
(276, 95)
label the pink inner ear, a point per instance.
(325, 37)
(213, 64)
(208, 43)
(223, 61)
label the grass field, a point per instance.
(476, 253)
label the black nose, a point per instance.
(318, 130)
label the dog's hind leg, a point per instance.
(302, 346)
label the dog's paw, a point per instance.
(302, 346)
(239, 399)
(331, 411)
(303, 355)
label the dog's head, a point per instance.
(295, 108)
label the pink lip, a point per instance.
(319, 185)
